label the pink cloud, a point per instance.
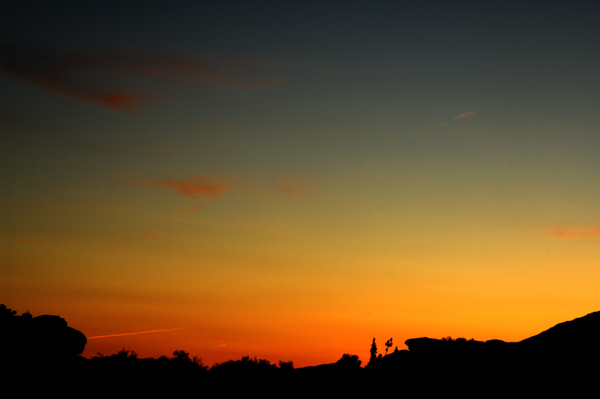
(95, 77)
(576, 233)
(463, 115)
(291, 185)
(197, 188)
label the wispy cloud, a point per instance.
(97, 77)
(197, 188)
(463, 115)
(575, 233)
(211, 188)
(291, 185)
(71, 75)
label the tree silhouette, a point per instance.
(373, 352)
(6, 312)
(183, 358)
(181, 355)
(348, 360)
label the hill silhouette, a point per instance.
(581, 332)
(43, 350)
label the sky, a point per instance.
(289, 180)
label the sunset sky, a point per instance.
(288, 180)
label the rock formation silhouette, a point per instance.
(42, 337)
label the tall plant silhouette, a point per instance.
(388, 345)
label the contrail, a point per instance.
(134, 333)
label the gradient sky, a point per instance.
(289, 180)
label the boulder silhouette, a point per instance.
(43, 337)
(51, 336)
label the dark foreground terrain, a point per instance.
(41, 355)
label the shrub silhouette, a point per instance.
(123, 354)
(182, 357)
(245, 365)
(349, 361)
(286, 365)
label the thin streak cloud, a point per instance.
(291, 185)
(463, 115)
(135, 333)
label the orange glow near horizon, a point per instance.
(309, 306)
